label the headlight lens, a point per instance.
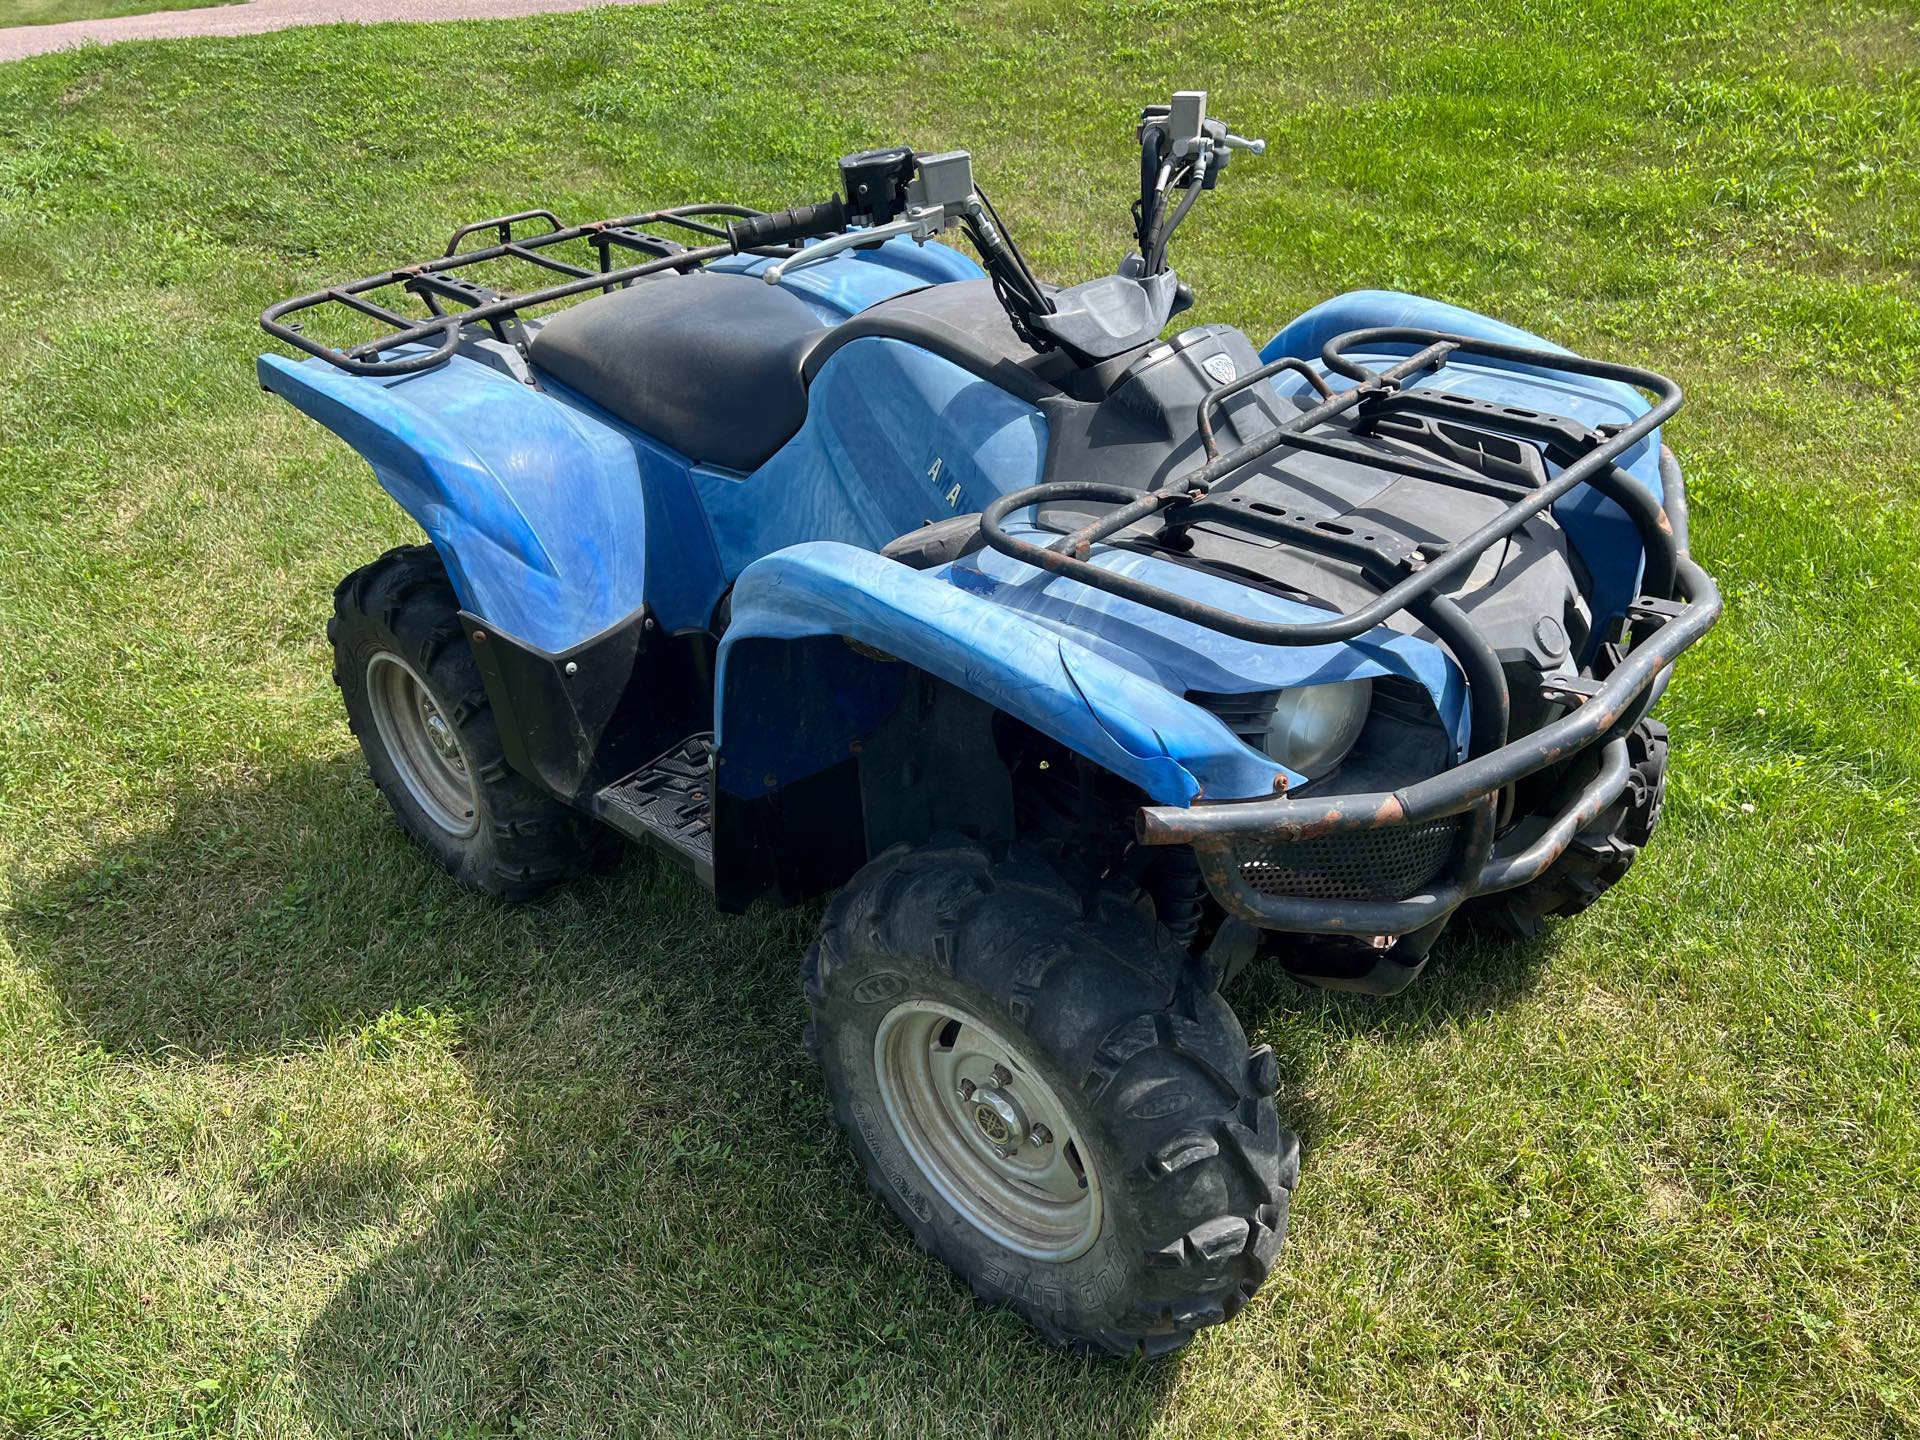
(1314, 726)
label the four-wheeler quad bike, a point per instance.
(1086, 664)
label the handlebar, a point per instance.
(1181, 149)
(803, 222)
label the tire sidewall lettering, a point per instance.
(877, 987)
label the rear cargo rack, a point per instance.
(436, 283)
(1404, 576)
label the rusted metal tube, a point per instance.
(443, 332)
(1227, 391)
(1452, 791)
(1459, 557)
(1600, 792)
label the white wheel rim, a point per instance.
(957, 1091)
(422, 744)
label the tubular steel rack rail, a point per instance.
(437, 286)
(1678, 604)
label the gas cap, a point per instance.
(1551, 636)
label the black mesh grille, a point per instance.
(1368, 865)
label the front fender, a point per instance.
(771, 731)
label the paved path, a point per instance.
(257, 16)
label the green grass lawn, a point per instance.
(297, 1139)
(52, 12)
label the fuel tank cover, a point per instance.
(1165, 386)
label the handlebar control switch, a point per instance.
(876, 184)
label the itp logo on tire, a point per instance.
(878, 988)
(1160, 1104)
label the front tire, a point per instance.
(1049, 1096)
(416, 702)
(1599, 857)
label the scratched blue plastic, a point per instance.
(1180, 655)
(1598, 529)
(536, 508)
(894, 437)
(539, 509)
(855, 279)
(1097, 672)
(870, 462)
(558, 520)
(1122, 720)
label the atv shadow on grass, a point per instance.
(637, 1213)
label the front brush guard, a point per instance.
(1680, 605)
(1222, 833)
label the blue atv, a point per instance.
(1086, 665)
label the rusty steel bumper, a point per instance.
(1246, 847)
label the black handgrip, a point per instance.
(829, 217)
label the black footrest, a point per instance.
(666, 804)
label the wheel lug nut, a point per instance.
(967, 1087)
(1001, 1075)
(1040, 1135)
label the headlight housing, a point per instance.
(1312, 727)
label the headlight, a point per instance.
(1314, 726)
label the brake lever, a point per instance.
(921, 225)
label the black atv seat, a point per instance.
(709, 364)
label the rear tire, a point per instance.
(1128, 1073)
(416, 702)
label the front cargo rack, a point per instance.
(437, 283)
(1405, 576)
(1246, 846)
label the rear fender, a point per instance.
(535, 507)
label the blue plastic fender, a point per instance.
(1181, 656)
(854, 279)
(1599, 529)
(1101, 675)
(535, 507)
(539, 502)
(895, 436)
(1123, 721)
